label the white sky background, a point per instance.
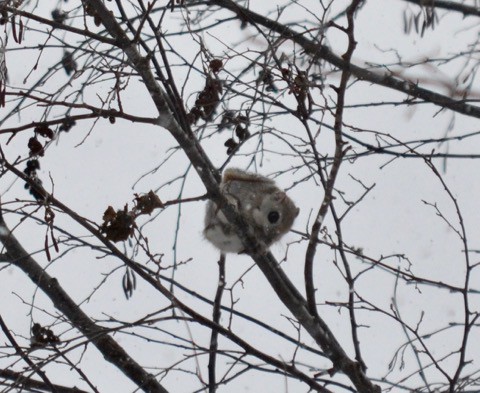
(100, 171)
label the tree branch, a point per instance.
(109, 348)
(319, 51)
(23, 382)
(152, 280)
(212, 383)
(284, 288)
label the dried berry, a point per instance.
(231, 145)
(242, 133)
(69, 63)
(228, 120)
(216, 65)
(59, 16)
(67, 124)
(35, 190)
(42, 336)
(35, 147)
(44, 130)
(32, 166)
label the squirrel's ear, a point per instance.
(297, 210)
(279, 196)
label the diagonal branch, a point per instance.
(98, 336)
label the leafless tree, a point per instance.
(117, 118)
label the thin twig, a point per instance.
(212, 382)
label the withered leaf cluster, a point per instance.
(207, 101)
(118, 225)
(146, 204)
(209, 98)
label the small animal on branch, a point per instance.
(266, 208)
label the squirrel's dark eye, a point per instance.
(273, 217)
